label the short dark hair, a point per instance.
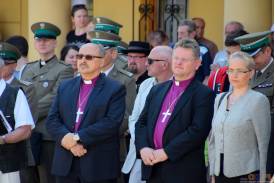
(66, 49)
(78, 7)
(229, 40)
(20, 43)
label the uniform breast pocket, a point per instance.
(46, 85)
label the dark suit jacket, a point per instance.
(98, 131)
(184, 136)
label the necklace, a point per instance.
(170, 105)
(80, 103)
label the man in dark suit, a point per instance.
(84, 121)
(175, 122)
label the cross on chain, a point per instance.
(165, 115)
(78, 113)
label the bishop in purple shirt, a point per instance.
(84, 121)
(175, 122)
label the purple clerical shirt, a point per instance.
(170, 100)
(84, 93)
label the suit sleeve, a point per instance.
(46, 101)
(54, 124)
(194, 136)
(108, 126)
(141, 126)
(130, 99)
(262, 126)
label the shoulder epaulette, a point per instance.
(127, 73)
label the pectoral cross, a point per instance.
(165, 115)
(78, 113)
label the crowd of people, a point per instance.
(155, 111)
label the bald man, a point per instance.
(159, 68)
(86, 128)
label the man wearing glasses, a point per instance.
(46, 75)
(159, 68)
(175, 121)
(84, 121)
(137, 53)
(258, 45)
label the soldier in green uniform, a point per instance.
(110, 42)
(258, 45)
(110, 26)
(46, 75)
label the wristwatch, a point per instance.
(2, 140)
(76, 137)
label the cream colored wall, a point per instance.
(119, 11)
(212, 12)
(10, 18)
(256, 15)
(53, 11)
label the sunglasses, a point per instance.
(151, 61)
(86, 57)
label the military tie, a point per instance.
(259, 73)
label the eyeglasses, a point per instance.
(135, 57)
(237, 71)
(87, 57)
(151, 61)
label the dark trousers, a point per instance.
(251, 177)
(75, 177)
(42, 172)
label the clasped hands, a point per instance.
(70, 144)
(150, 156)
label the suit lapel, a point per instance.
(92, 98)
(183, 100)
(74, 97)
(159, 102)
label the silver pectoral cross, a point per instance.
(165, 115)
(78, 113)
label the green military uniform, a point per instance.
(46, 81)
(46, 76)
(262, 81)
(126, 78)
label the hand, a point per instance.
(147, 155)
(67, 141)
(78, 150)
(213, 179)
(160, 156)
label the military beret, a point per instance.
(45, 30)
(252, 43)
(9, 53)
(106, 39)
(106, 25)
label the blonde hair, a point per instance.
(246, 58)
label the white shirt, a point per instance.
(221, 58)
(108, 70)
(22, 113)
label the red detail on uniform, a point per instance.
(217, 78)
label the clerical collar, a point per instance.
(44, 62)
(90, 82)
(183, 83)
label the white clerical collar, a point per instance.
(270, 62)
(87, 82)
(10, 80)
(2, 86)
(107, 72)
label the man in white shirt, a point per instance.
(15, 127)
(159, 67)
